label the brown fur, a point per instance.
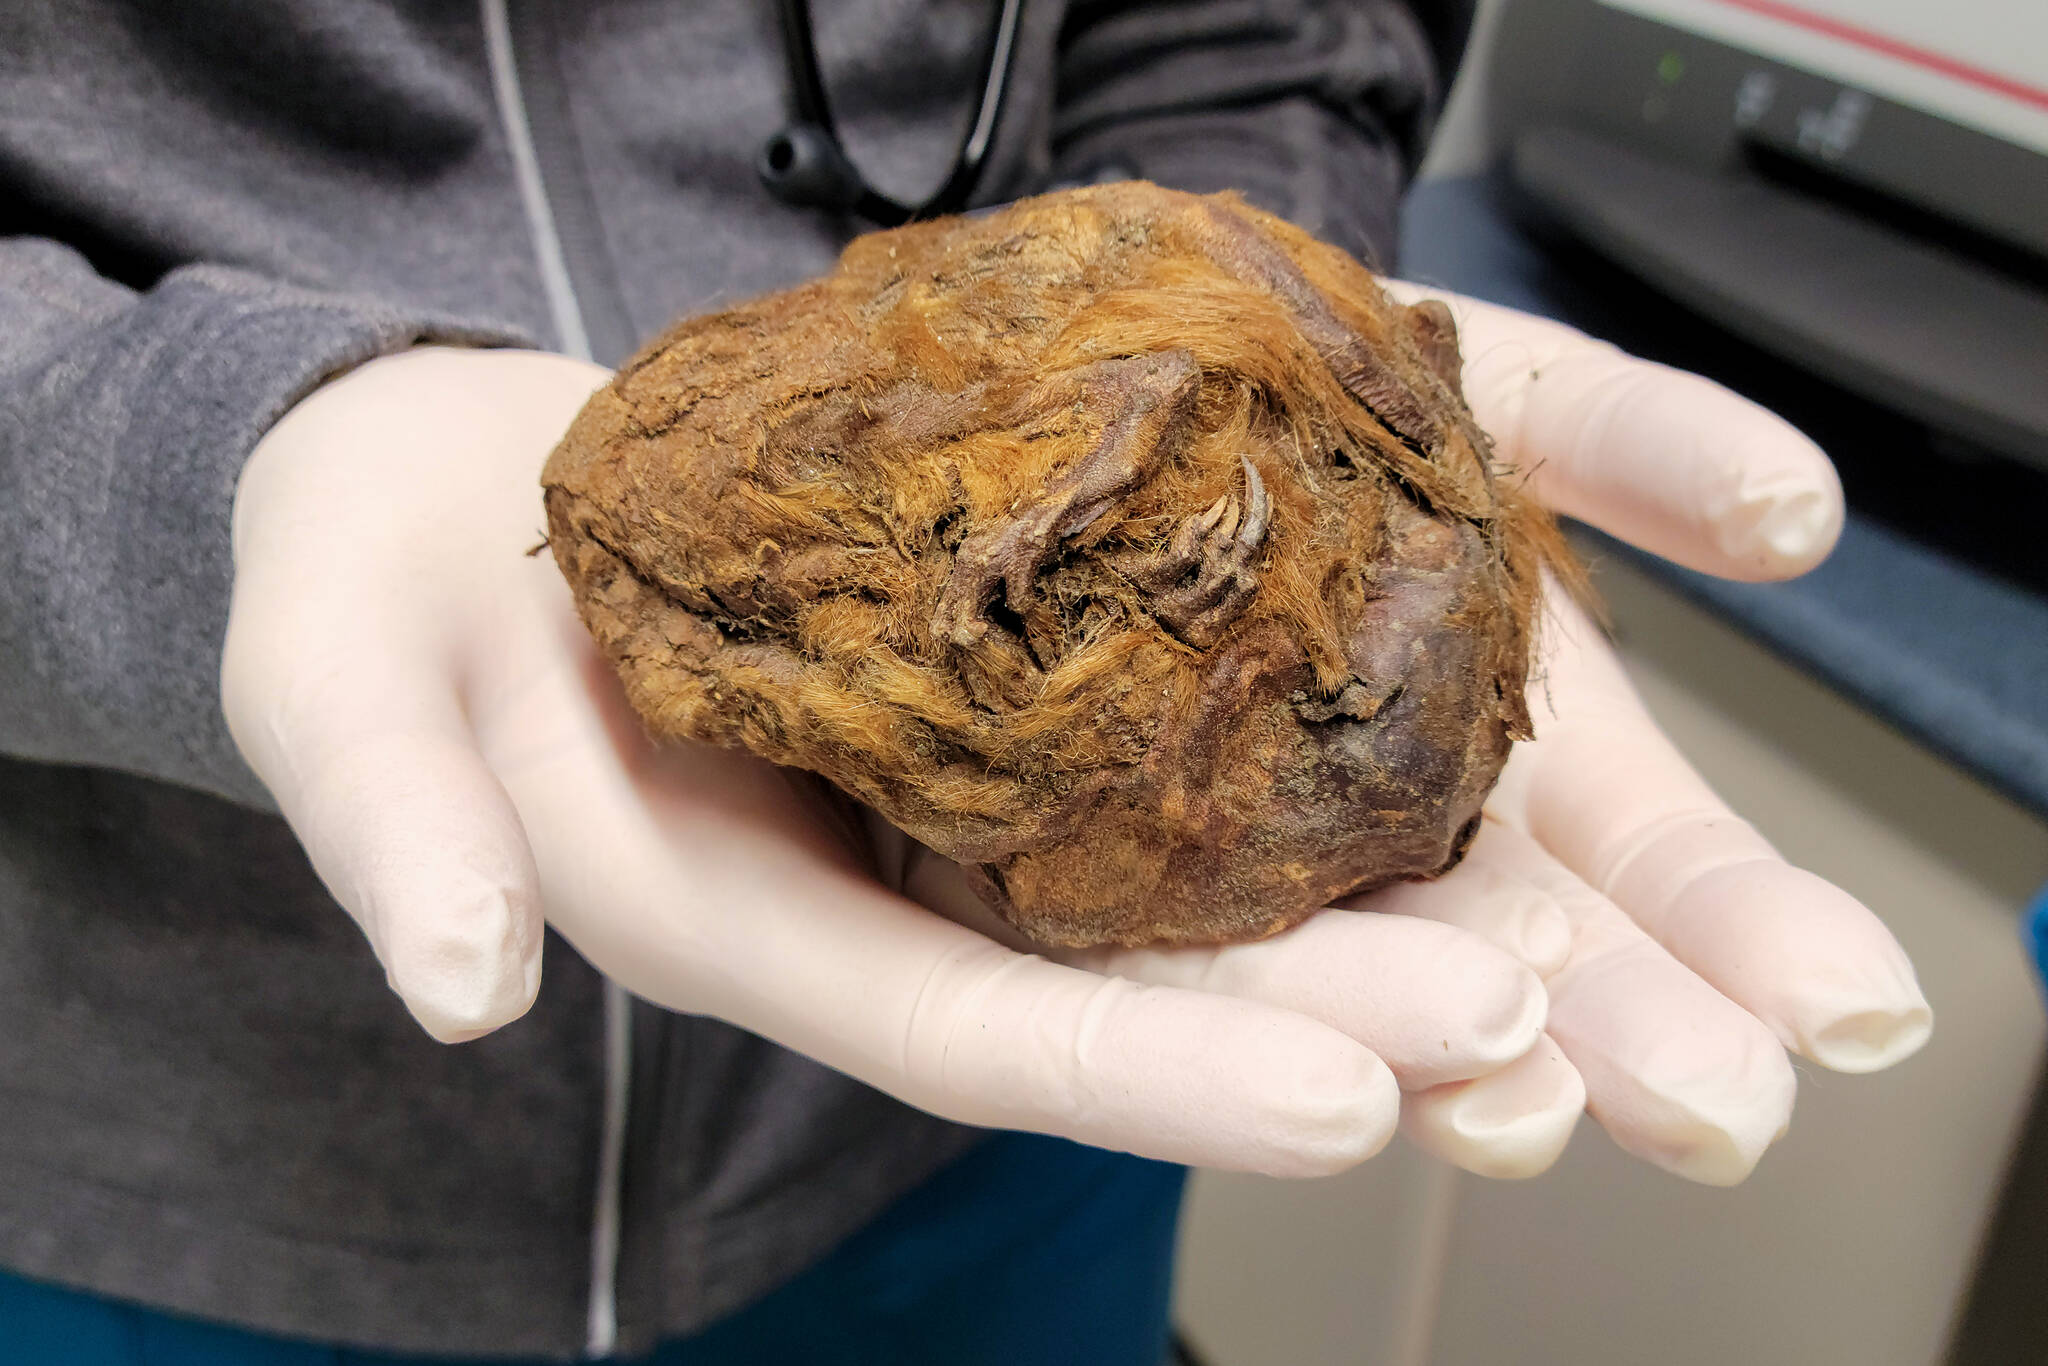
(1130, 546)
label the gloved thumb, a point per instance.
(415, 837)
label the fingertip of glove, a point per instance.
(457, 1009)
(1514, 1030)
(1509, 1125)
(1808, 959)
(463, 975)
(1343, 1116)
(1507, 1147)
(1717, 1139)
(1870, 1040)
(1710, 1155)
(1780, 534)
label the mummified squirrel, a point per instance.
(1130, 547)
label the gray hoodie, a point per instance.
(209, 1102)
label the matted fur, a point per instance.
(1128, 546)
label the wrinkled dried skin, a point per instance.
(1127, 546)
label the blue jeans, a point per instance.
(1028, 1251)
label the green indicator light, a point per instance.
(1670, 67)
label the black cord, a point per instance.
(806, 164)
(952, 196)
(800, 52)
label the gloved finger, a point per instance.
(1676, 1073)
(1435, 1002)
(691, 877)
(372, 765)
(1665, 460)
(344, 675)
(1514, 1122)
(1510, 1124)
(1520, 920)
(1603, 790)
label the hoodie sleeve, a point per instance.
(1317, 110)
(125, 418)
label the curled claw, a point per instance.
(1228, 525)
(1260, 507)
(1204, 577)
(1186, 547)
(1151, 397)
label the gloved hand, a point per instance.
(1680, 950)
(435, 724)
(1682, 955)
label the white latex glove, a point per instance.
(1682, 954)
(411, 697)
(419, 695)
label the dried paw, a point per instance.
(1207, 573)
